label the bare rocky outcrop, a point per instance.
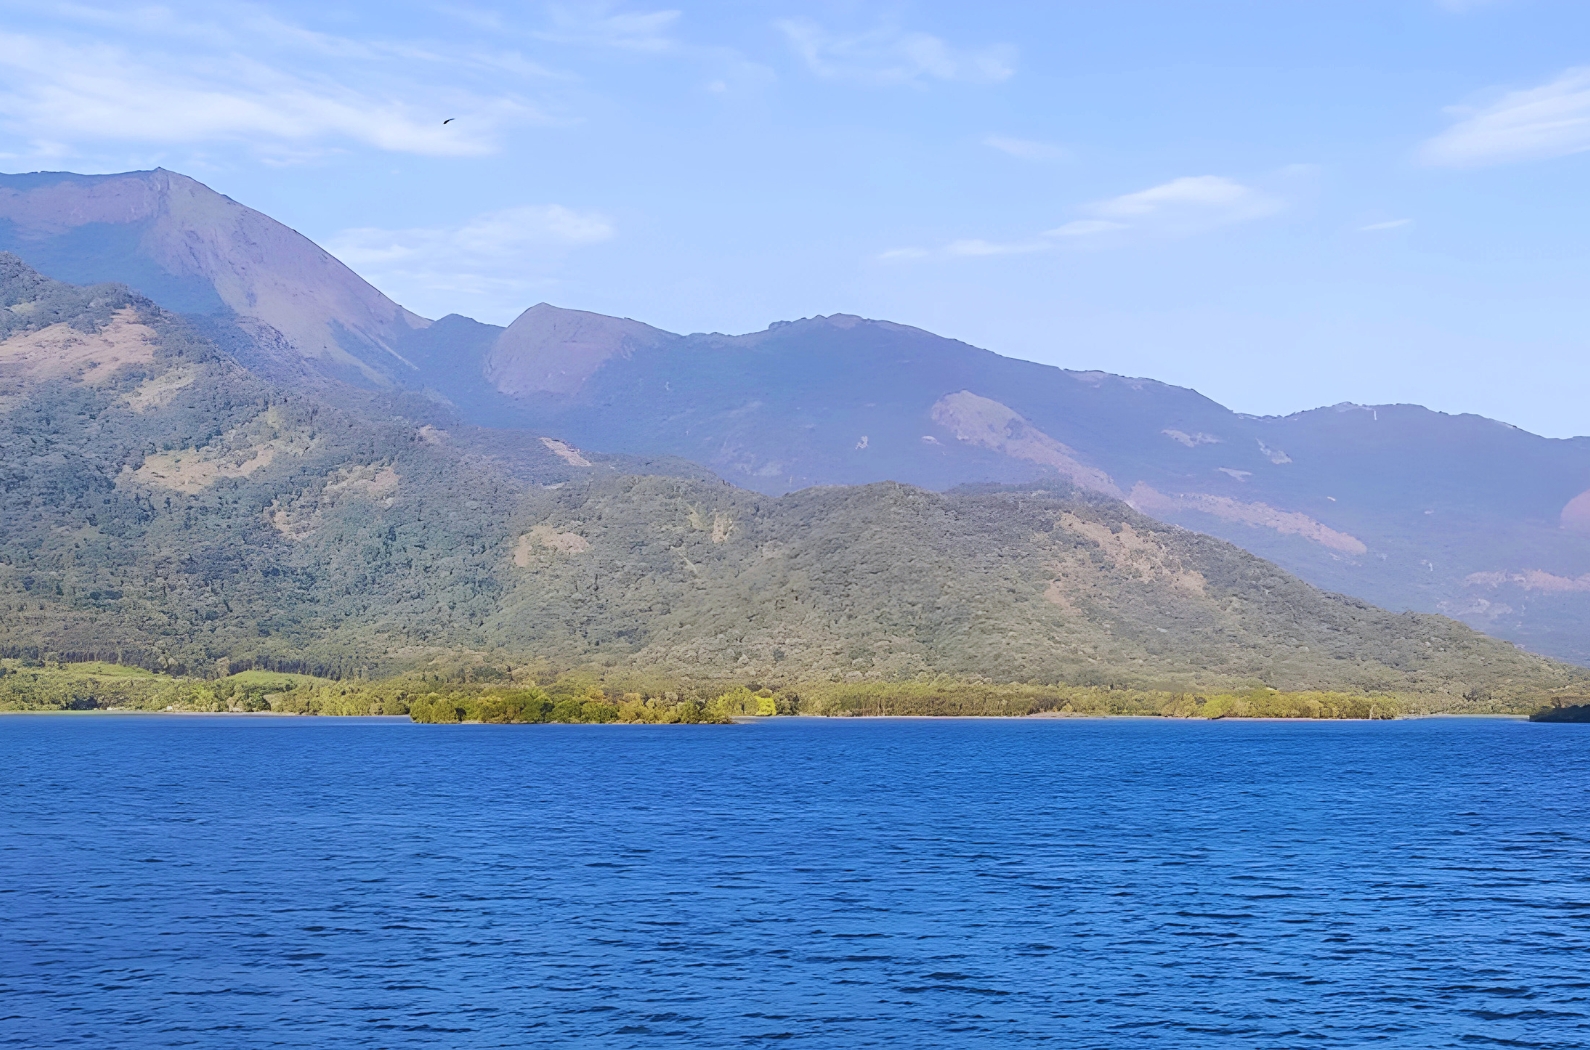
(987, 423)
(61, 351)
(1259, 515)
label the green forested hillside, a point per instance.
(161, 506)
(889, 581)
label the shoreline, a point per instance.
(1043, 716)
(452, 695)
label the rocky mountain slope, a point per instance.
(290, 307)
(1398, 505)
(159, 504)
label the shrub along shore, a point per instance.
(489, 695)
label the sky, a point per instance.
(1282, 204)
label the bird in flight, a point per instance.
(449, 120)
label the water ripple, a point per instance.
(240, 882)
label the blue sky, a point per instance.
(1281, 204)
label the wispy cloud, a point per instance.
(240, 75)
(1026, 149)
(605, 25)
(1085, 228)
(1552, 120)
(492, 237)
(601, 25)
(440, 264)
(1180, 207)
(53, 93)
(1188, 204)
(967, 248)
(891, 55)
(1389, 225)
(976, 246)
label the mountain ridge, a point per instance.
(1407, 507)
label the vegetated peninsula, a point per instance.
(163, 507)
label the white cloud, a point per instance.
(890, 55)
(1026, 149)
(1539, 123)
(1190, 204)
(1390, 225)
(493, 259)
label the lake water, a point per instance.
(248, 882)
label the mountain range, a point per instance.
(1396, 505)
(162, 505)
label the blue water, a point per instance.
(250, 882)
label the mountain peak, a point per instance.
(196, 251)
(551, 350)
